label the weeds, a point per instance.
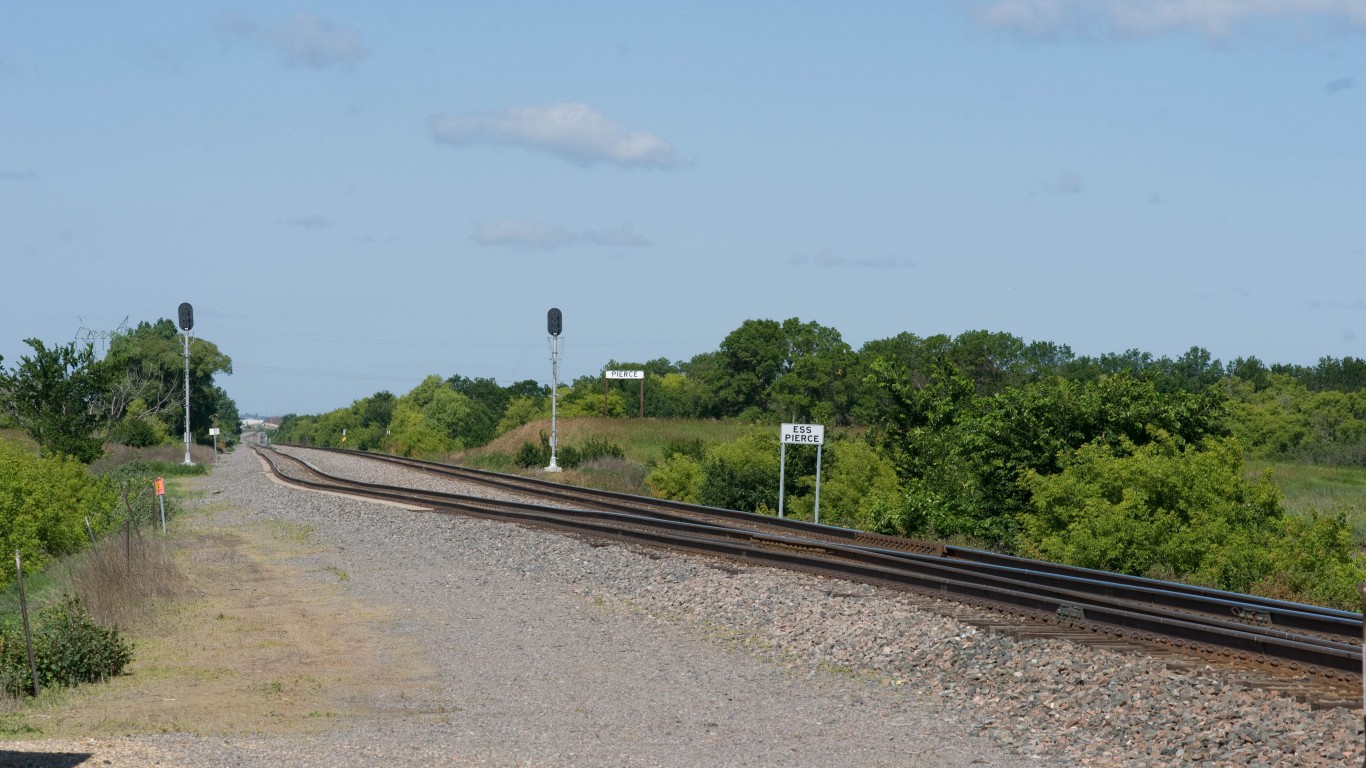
(121, 579)
(68, 647)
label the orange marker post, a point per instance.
(159, 485)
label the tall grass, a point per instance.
(642, 440)
(1313, 487)
(121, 580)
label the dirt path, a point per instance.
(258, 647)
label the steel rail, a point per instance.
(1010, 589)
(550, 489)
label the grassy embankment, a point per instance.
(642, 441)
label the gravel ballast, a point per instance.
(552, 650)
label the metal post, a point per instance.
(642, 397)
(782, 474)
(28, 638)
(554, 387)
(161, 500)
(188, 462)
(1361, 587)
(604, 394)
(819, 446)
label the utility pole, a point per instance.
(90, 335)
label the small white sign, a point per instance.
(804, 434)
(213, 432)
(625, 374)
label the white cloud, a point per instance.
(532, 235)
(303, 40)
(827, 259)
(1350, 306)
(1339, 85)
(575, 132)
(1067, 183)
(1147, 17)
(307, 222)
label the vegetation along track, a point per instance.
(1311, 652)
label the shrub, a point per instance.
(694, 448)
(743, 474)
(43, 506)
(597, 448)
(68, 647)
(678, 477)
(567, 456)
(533, 454)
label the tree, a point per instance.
(150, 360)
(228, 420)
(431, 419)
(750, 359)
(766, 369)
(55, 396)
(488, 401)
(820, 379)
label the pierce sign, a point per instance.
(625, 374)
(803, 434)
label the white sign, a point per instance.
(625, 374)
(213, 432)
(803, 434)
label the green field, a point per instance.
(1310, 487)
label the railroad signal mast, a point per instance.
(554, 323)
(186, 323)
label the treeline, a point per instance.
(72, 403)
(1123, 462)
(768, 371)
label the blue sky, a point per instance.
(356, 195)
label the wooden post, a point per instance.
(28, 638)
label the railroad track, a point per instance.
(1310, 652)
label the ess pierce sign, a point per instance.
(803, 434)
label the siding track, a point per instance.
(1310, 652)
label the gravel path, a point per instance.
(552, 651)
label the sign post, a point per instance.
(800, 434)
(638, 375)
(159, 485)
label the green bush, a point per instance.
(69, 648)
(1188, 513)
(533, 454)
(43, 506)
(567, 456)
(694, 448)
(743, 474)
(597, 448)
(678, 477)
